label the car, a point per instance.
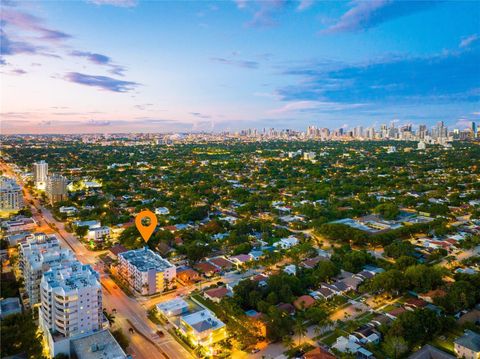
(254, 350)
(114, 311)
(160, 333)
(131, 331)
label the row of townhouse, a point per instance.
(346, 283)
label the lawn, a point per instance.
(445, 342)
(389, 308)
(332, 338)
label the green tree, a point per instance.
(394, 347)
(81, 231)
(299, 328)
(20, 335)
(388, 211)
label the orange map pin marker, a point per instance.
(146, 231)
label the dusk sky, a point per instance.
(159, 66)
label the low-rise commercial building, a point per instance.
(173, 307)
(98, 345)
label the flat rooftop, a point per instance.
(203, 320)
(71, 277)
(99, 345)
(145, 259)
(172, 305)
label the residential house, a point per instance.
(415, 303)
(286, 243)
(318, 353)
(203, 328)
(241, 259)
(393, 314)
(432, 294)
(208, 269)
(162, 211)
(468, 345)
(303, 302)
(216, 294)
(223, 264)
(187, 274)
(98, 234)
(430, 352)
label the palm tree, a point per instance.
(300, 328)
(110, 317)
(287, 341)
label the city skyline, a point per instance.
(227, 66)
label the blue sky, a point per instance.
(157, 66)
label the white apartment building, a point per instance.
(71, 305)
(39, 263)
(309, 156)
(98, 233)
(146, 271)
(11, 198)
(19, 224)
(39, 254)
(40, 173)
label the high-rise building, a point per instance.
(11, 198)
(473, 128)
(440, 131)
(145, 271)
(71, 305)
(37, 256)
(422, 131)
(384, 130)
(40, 173)
(56, 188)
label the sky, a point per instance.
(175, 66)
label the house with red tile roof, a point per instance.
(222, 263)
(312, 262)
(187, 274)
(116, 250)
(286, 307)
(208, 269)
(318, 353)
(415, 303)
(241, 259)
(304, 302)
(431, 295)
(215, 294)
(393, 314)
